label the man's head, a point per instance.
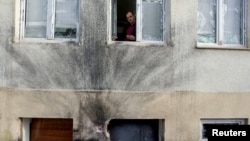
(130, 17)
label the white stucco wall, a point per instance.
(182, 111)
(175, 81)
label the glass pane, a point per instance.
(233, 21)
(114, 18)
(36, 19)
(66, 21)
(206, 21)
(152, 20)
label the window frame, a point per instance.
(240, 121)
(220, 31)
(139, 40)
(50, 25)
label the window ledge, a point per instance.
(136, 43)
(30, 40)
(222, 47)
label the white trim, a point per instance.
(139, 20)
(109, 20)
(55, 40)
(214, 45)
(137, 43)
(26, 129)
(17, 20)
(220, 23)
(164, 19)
(78, 23)
(22, 18)
(50, 19)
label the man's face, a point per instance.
(130, 18)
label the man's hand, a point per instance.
(114, 38)
(130, 37)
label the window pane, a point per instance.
(36, 19)
(66, 21)
(233, 21)
(206, 21)
(152, 20)
(114, 18)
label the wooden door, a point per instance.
(51, 130)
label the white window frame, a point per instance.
(220, 26)
(139, 40)
(26, 129)
(219, 121)
(49, 25)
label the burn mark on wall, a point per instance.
(98, 109)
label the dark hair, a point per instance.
(130, 11)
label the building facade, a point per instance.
(62, 76)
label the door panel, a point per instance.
(51, 130)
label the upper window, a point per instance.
(137, 20)
(50, 19)
(222, 22)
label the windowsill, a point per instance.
(222, 47)
(33, 40)
(137, 43)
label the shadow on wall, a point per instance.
(99, 110)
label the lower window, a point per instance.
(47, 129)
(136, 129)
(205, 122)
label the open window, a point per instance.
(47, 129)
(49, 19)
(136, 129)
(150, 18)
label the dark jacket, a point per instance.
(122, 37)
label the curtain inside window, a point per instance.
(152, 20)
(233, 21)
(36, 19)
(66, 18)
(206, 21)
